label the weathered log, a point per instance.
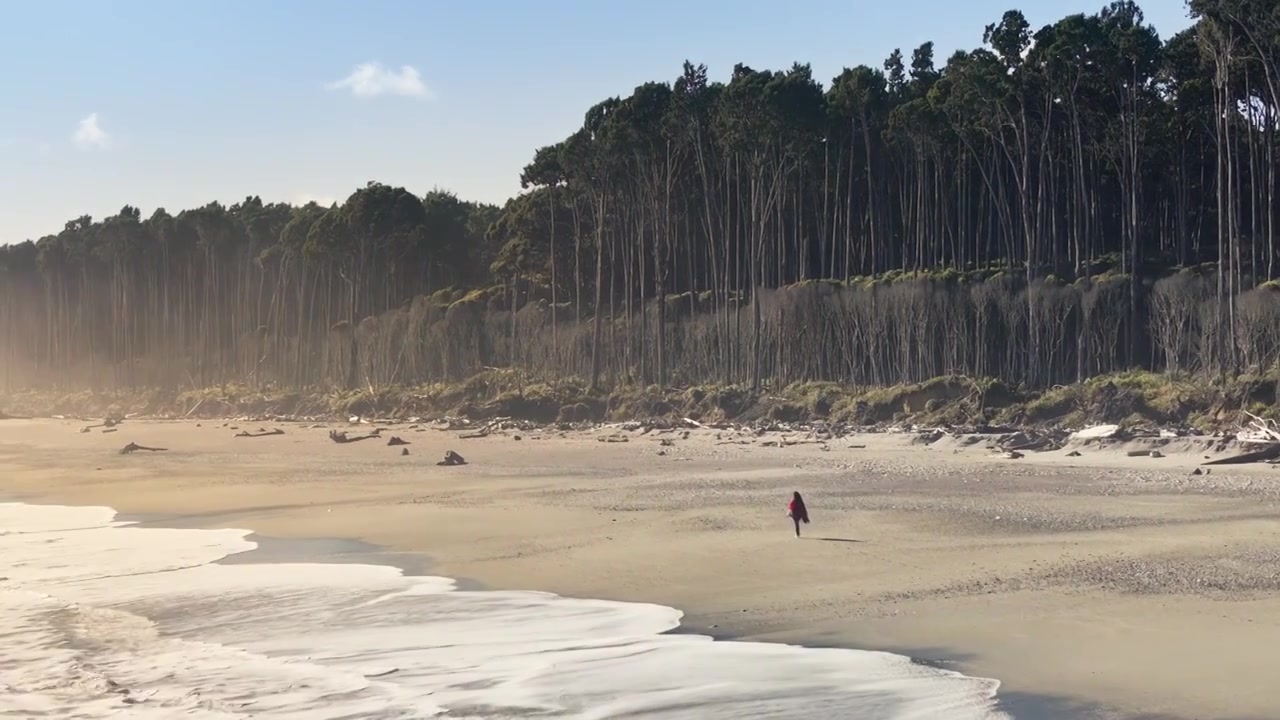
(266, 433)
(107, 423)
(1262, 432)
(482, 432)
(1097, 432)
(341, 437)
(1268, 453)
(134, 447)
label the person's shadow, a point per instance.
(835, 539)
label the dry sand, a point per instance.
(1095, 586)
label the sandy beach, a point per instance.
(1092, 586)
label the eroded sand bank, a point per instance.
(1088, 586)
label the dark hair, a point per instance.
(795, 495)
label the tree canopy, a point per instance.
(1017, 211)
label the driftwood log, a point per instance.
(107, 423)
(134, 447)
(482, 432)
(341, 437)
(394, 441)
(264, 433)
(1270, 452)
(1259, 432)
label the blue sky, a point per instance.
(174, 104)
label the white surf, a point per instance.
(101, 619)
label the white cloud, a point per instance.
(371, 79)
(89, 134)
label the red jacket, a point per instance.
(800, 513)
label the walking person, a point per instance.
(797, 511)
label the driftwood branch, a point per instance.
(492, 425)
(107, 423)
(134, 447)
(1260, 431)
(264, 433)
(341, 437)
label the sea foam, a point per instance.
(102, 619)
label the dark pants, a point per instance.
(796, 520)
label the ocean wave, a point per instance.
(102, 619)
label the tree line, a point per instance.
(1057, 203)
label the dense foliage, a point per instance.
(1016, 212)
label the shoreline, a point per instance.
(142, 621)
(321, 550)
(335, 551)
(518, 525)
(341, 551)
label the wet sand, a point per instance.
(1094, 586)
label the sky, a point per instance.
(176, 104)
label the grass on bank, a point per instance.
(1128, 398)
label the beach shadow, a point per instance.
(1031, 706)
(1019, 705)
(835, 539)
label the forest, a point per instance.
(1056, 204)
